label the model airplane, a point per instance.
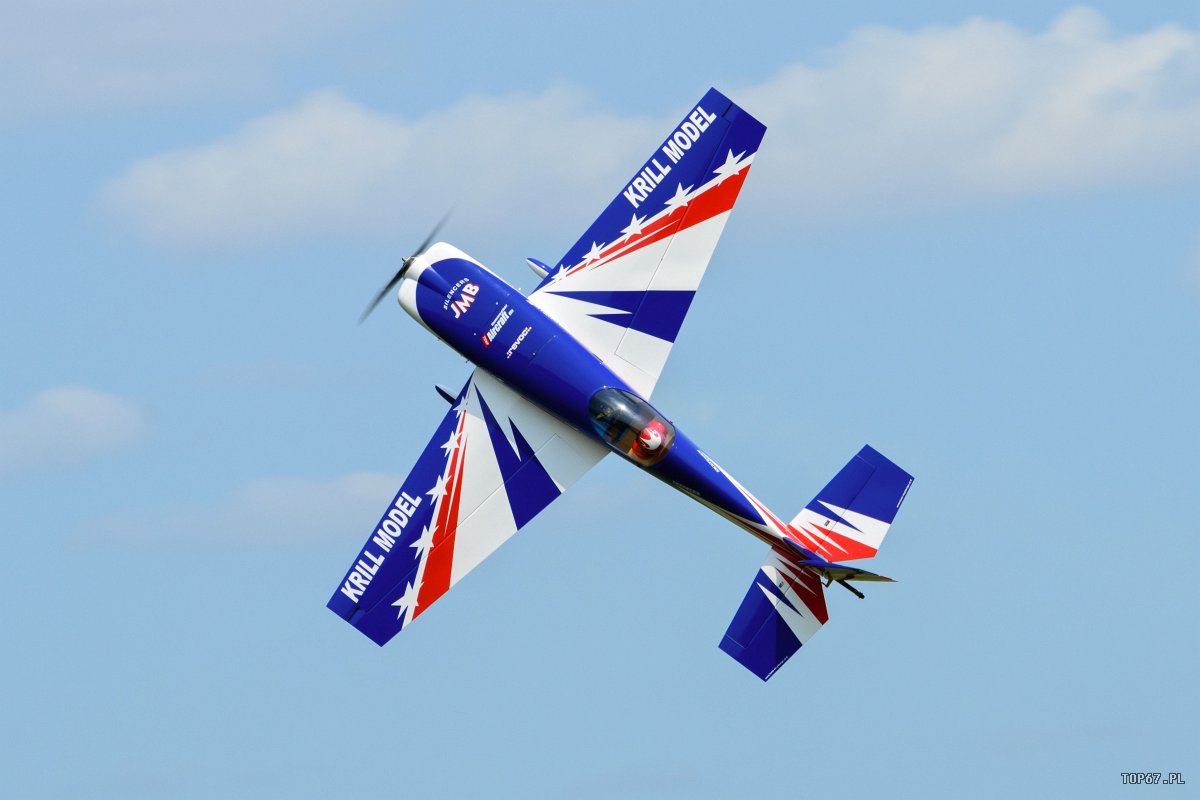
(563, 378)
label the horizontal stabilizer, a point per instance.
(850, 516)
(783, 608)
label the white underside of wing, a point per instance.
(676, 263)
(639, 360)
(490, 523)
(486, 519)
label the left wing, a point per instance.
(494, 462)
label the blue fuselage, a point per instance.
(496, 327)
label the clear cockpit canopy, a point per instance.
(631, 426)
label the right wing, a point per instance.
(625, 287)
(495, 461)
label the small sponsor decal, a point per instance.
(520, 338)
(497, 323)
(465, 298)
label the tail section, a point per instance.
(850, 516)
(785, 604)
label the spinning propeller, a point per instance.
(404, 265)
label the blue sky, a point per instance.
(970, 239)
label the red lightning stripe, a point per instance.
(804, 537)
(436, 578)
(852, 548)
(767, 515)
(806, 585)
(715, 200)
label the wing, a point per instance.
(625, 287)
(494, 462)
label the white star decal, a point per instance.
(462, 405)
(451, 444)
(680, 199)
(423, 544)
(560, 273)
(407, 600)
(594, 253)
(732, 166)
(634, 227)
(439, 488)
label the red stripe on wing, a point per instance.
(436, 578)
(717, 199)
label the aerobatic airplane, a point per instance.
(563, 377)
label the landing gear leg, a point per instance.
(854, 591)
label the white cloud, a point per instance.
(332, 165)
(67, 426)
(893, 119)
(279, 510)
(328, 163)
(944, 114)
(66, 57)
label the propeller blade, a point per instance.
(384, 291)
(404, 267)
(429, 239)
